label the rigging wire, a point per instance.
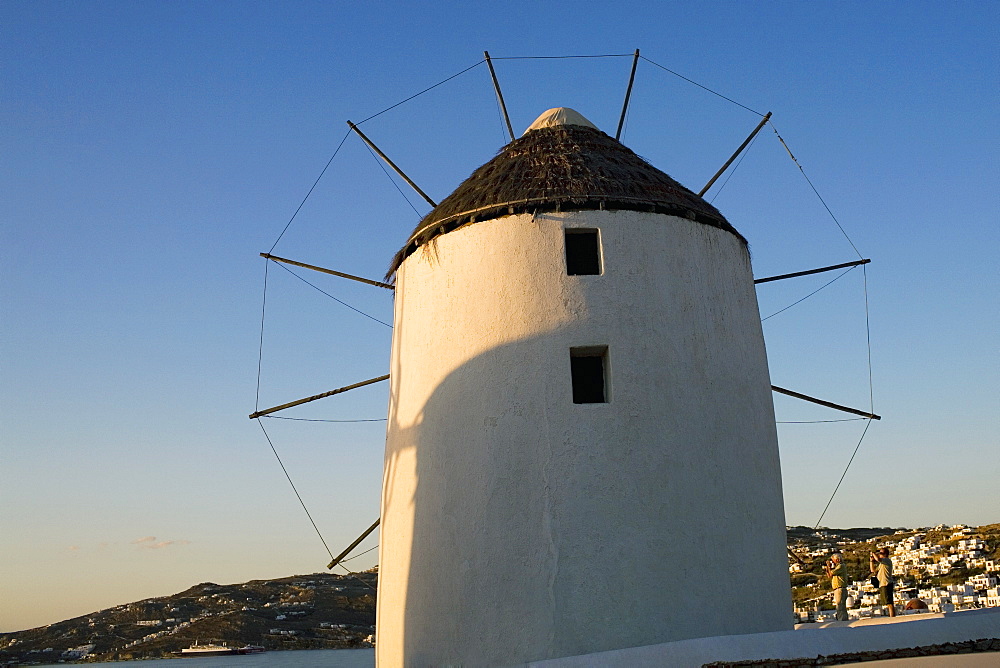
(394, 184)
(809, 421)
(843, 475)
(423, 91)
(733, 170)
(700, 86)
(280, 417)
(361, 554)
(503, 125)
(302, 203)
(294, 489)
(343, 303)
(599, 55)
(260, 351)
(839, 276)
(357, 577)
(303, 504)
(809, 181)
(868, 335)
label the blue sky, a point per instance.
(150, 151)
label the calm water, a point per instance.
(327, 658)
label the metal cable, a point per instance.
(839, 276)
(356, 576)
(599, 55)
(733, 170)
(302, 203)
(343, 303)
(700, 86)
(260, 350)
(423, 91)
(360, 555)
(294, 489)
(308, 514)
(843, 475)
(868, 335)
(280, 417)
(392, 180)
(503, 125)
(809, 181)
(819, 421)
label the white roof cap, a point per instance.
(559, 116)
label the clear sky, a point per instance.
(151, 150)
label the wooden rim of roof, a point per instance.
(561, 168)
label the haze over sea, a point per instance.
(307, 658)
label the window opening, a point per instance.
(583, 252)
(589, 370)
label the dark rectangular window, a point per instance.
(583, 252)
(589, 369)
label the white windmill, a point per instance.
(581, 451)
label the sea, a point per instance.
(302, 658)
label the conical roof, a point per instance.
(560, 164)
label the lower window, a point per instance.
(589, 371)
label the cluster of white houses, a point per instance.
(912, 556)
(71, 654)
(176, 623)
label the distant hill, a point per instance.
(320, 611)
(808, 536)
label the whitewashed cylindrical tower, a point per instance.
(581, 451)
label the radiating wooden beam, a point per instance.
(326, 271)
(628, 94)
(811, 271)
(496, 85)
(828, 404)
(389, 162)
(340, 557)
(299, 402)
(738, 151)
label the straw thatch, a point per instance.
(562, 168)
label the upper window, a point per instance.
(583, 252)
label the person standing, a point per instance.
(834, 569)
(881, 567)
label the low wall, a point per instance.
(807, 640)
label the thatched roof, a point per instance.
(561, 168)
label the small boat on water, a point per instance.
(250, 649)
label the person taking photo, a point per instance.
(834, 569)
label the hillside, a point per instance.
(320, 611)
